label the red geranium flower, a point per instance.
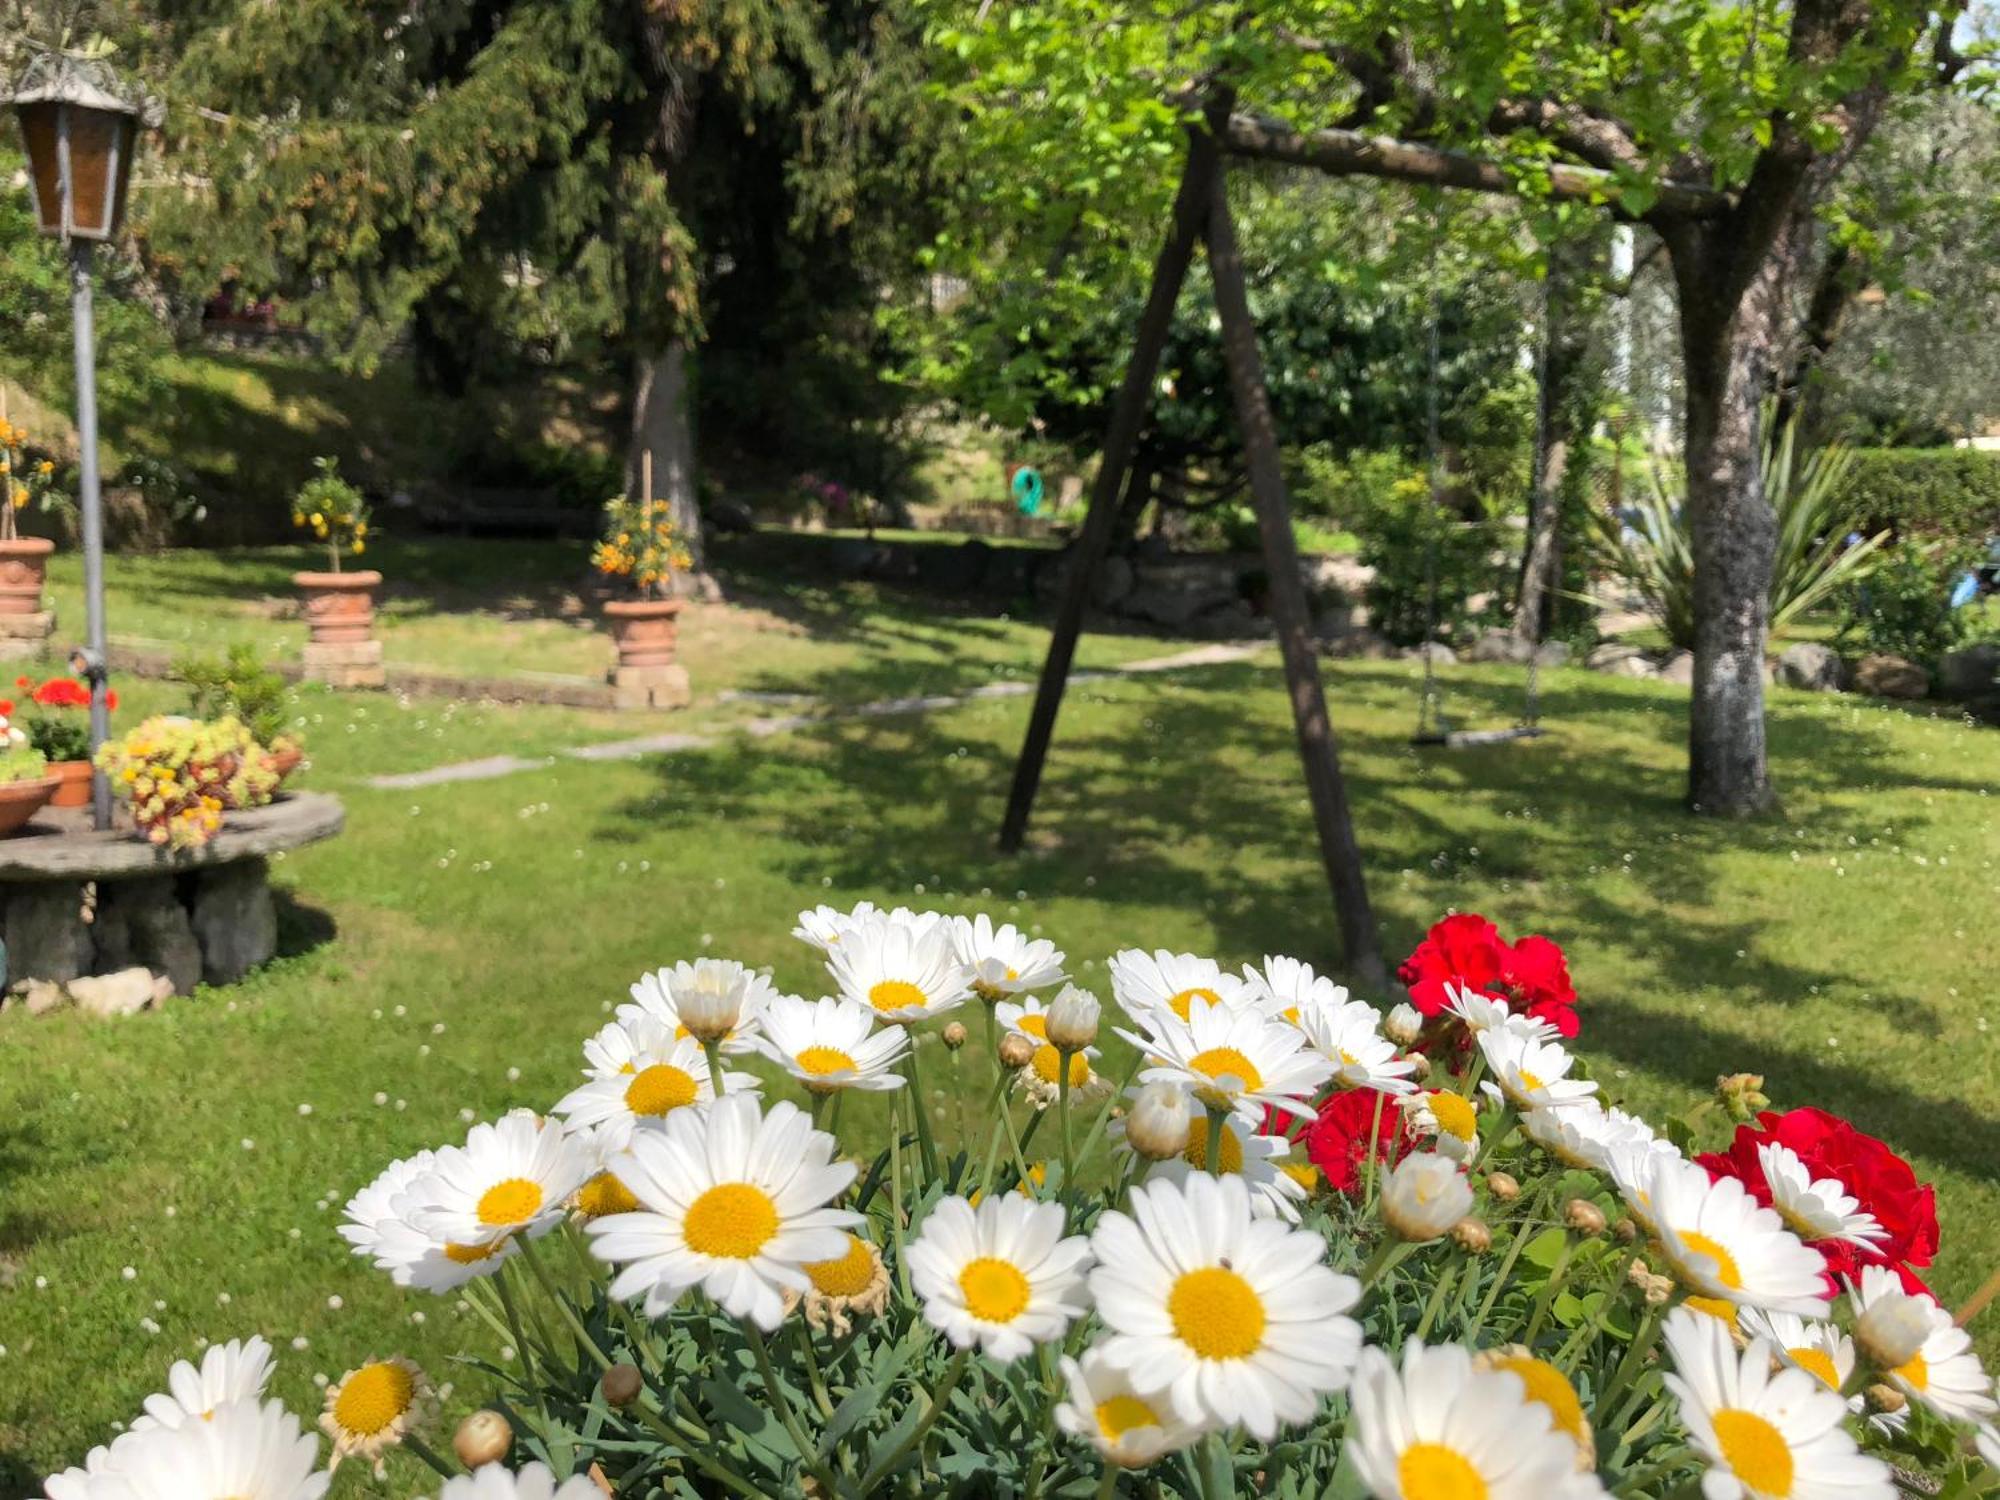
(1880, 1181)
(1463, 950)
(6, 707)
(1536, 974)
(21, 682)
(111, 698)
(63, 692)
(1337, 1142)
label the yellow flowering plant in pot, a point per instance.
(1289, 1244)
(181, 776)
(639, 554)
(339, 603)
(25, 479)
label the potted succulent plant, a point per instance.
(25, 785)
(57, 723)
(639, 553)
(340, 604)
(180, 775)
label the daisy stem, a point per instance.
(1514, 1249)
(1373, 1149)
(503, 1285)
(1110, 1102)
(1502, 1128)
(541, 1274)
(1469, 1085)
(1588, 1330)
(896, 1190)
(1213, 1157)
(422, 1450)
(993, 1139)
(1386, 1255)
(1545, 1298)
(1062, 1120)
(1107, 1486)
(1445, 1279)
(808, 1452)
(926, 1148)
(816, 1102)
(1014, 1140)
(940, 1394)
(689, 1445)
(713, 1052)
(1635, 1356)
(813, 1376)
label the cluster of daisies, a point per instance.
(1276, 1150)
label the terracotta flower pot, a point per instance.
(340, 607)
(23, 564)
(21, 800)
(286, 761)
(72, 783)
(644, 630)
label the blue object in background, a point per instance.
(1027, 488)
(1965, 590)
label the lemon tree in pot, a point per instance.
(26, 478)
(339, 603)
(639, 554)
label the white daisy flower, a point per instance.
(416, 1257)
(236, 1371)
(1585, 1134)
(708, 987)
(1528, 1073)
(1816, 1208)
(374, 1206)
(1721, 1243)
(1233, 1319)
(1766, 1434)
(1549, 1387)
(1819, 1348)
(1238, 1060)
(1000, 1276)
(1105, 1411)
(244, 1451)
(657, 1074)
(1002, 961)
(1348, 1034)
(602, 1193)
(829, 1044)
(901, 971)
(1287, 988)
(1028, 1015)
(1629, 1161)
(532, 1482)
(1448, 1121)
(510, 1177)
(1255, 1158)
(824, 926)
(1144, 982)
(732, 1201)
(1436, 1426)
(372, 1408)
(1423, 1195)
(1987, 1440)
(1944, 1374)
(1484, 1013)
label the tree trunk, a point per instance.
(662, 422)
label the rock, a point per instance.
(1173, 596)
(233, 920)
(1886, 676)
(1552, 654)
(142, 922)
(1113, 584)
(1970, 673)
(125, 993)
(729, 516)
(45, 932)
(1234, 621)
(1439, 653)
(850, 556)
(1679, 669)
(1637, 665)
(954, 570)
(1811, 666)
(1500, 645)
(1360, 645)
(40, 996)
(1606, 658)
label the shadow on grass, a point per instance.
(301, 928)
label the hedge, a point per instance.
(1948, 492)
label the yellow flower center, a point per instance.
(1817, 1362)
(1227, 1062)
(514, 1201)
(1217, 1313)
(1123, 1414)
(1196, 1155)
(1552, 1389)
(605, 1194)
(660, 1089)
(1304, 1173)
(847, 1275)
(1431, 1471)
(1531, 1082)
(820, 1061)
(472, 1255)
(1047, 1060)
(897, 994)
(1755, 1450)
(995, 1290)
(1916, 1374)
(732, 1221)
(1180, 1003)
(1717, 1308)
(1034, 1026)
(1725, 1263)
(373, 1398)
(1455, 1115)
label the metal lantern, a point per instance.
(79, 127)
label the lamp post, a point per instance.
(80, 124)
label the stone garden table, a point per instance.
(74, 901)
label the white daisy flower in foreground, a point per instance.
(1244, 1153)
(1001, 961)
(829, 1044)
(1104, 1411)
(1001, 1276)
(1348, 1034)
(1233, 1319)
(1530, 1074)
(1549, 1387)
(1585, 1134)
(244, 1451)
(1238, 1060)
(236, 1371)
(1448, 1121)
(1484, 1013)
(1944, 1374)
(731, 1201)
(1629, 1162)
(657, 1074)
(716, 994)
(1766, 1434)
(510, 1177)
(1028, 1015)
(824, 926)
(416, 1257)
(1437, 1428)
(1719, 1242)
(1819, 1348)
(1987, 1440)
(533, 1482)
(1288, 987)
(901, 972)
(1144, 982)
(374, 1206)
(1423, 1195)
(1815, 1208)
(371, 1409)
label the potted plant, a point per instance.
(238, 685)
(25, 785)
(340, 605)
(58, 724)
(180, 776)
(639, 553)
(24, 560)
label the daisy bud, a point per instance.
(1424, 1195)
(710, 1004)
(1583, 1216)
(1403, 1026)
(1472, 1236)
(1639, 1274)
(482, 1438)
(621, 1384)
(1885, 1399)
(1016, 1051)
(1742, 1094)
(954, 1035)
(1892, 1328)
(1420, 1066)
(1072, 1020)
(1626, 1231)
(1503, 1186)
(1161, 1117)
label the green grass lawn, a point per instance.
(444, 959)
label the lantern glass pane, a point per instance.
(94, 159)
(38, 128)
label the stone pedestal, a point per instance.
(650, 687)
(142, 924)
(23, 636)
(233, 920)
(345, 664)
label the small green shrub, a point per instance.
(1406, 534)
(238, 686)
(1903, 607)
(1926, 492)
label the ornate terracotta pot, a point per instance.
(72, 783)
(21, 800)
(644, 630)
(23, 564)
(340, 607)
